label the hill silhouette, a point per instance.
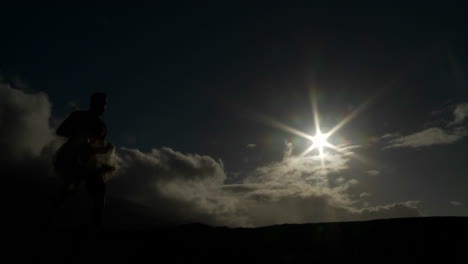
(402, 239)
(134, 234)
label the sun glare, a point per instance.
(320, 141)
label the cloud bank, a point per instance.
(190, 187)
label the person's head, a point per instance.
(98, 103)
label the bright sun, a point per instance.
(319, 142)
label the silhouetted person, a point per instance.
(86, 134)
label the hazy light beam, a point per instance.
(282, 126)
(351, 116)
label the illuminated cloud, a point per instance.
(340, 180)
(408, 209)
(295, 190)
(433, 135)
(27, 144)
(373, 172)
(389, 136)
(288, 148)
(180, 187)
(364, 195)
(460, 113)
(428, 137)
(456, 203)
(24, 127)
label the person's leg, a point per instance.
(69, 188)
(97, 190)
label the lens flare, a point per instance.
(319, 140)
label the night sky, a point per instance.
(191, 89)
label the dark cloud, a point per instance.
(73, 105)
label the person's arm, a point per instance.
(67, 128)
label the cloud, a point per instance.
(73, 105)
(27, 144)
(456, 203)
(373, 172)
(24, 123)
(27, 140)
(407, 209)
(433, 135)
(288, 148)
(340, 180)
(364, 194)
(167, 164)
(389, 135)
(428, 137)
(460, 113)
(295, 190)
(180, 187)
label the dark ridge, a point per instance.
(399, 239)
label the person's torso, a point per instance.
(89, 126)
(88, 132)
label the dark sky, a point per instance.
(179, 77)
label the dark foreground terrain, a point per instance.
(443, 239)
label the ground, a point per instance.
(416, 239)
